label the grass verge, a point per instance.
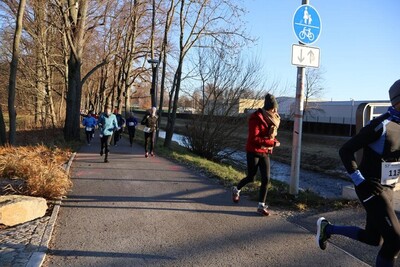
(228, 175)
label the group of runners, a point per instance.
(110, 126)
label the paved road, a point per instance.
(135, 211)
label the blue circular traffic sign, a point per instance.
(307, 24)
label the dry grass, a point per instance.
(34, 170)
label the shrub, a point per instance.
(35, 171)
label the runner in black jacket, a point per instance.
(150, 120)
(374, 179)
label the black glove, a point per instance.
(369, 188)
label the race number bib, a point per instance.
(131, 124)
(89, 129)
(390, 173)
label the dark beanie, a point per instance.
(394, 93)
(270, 102)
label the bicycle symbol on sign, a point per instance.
(306, 32)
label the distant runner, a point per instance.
(90, 123)
(107, 126)
(150, 121)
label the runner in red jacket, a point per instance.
(263, 127)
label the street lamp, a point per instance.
(153, 91)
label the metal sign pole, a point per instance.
(297, 129)
(297, 133)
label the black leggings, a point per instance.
(105, 143)
(257, 161)
(89, 136)
(131, 132)
(117, 136)
(382, 222)
(149, 137)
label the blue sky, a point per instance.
(359, 44)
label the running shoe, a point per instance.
(146, 155)
(263, 210)
(235, 194)
(101, 152)
(321, 237)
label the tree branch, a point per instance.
(93, 70)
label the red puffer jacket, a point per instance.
(257, 140)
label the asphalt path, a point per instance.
(137, 211)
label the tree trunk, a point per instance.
(40, 44)
(3, 136)
(127, 100)
(163, 55)
(172, 115)
(61, 107)
(50, 103)
(66, 74)
(48, 87)
(38, 106)
(13, 73)
(72, 118)
(75, 22)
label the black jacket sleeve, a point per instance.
(144, 120)
(366, 136)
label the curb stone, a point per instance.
(37, 258)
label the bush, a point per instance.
(214, 137)
(35, 171)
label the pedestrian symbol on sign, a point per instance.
(307, 17)
(306, 24)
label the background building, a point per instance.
(339, 112)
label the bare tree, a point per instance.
(126, 40)
(44, 104)
(314, 88)
(13, 72)
(131, 50)
(197, 20)
(75, 14)
(66, 39)
(229, 81)
(164, 54)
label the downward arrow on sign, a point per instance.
(301, 58)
